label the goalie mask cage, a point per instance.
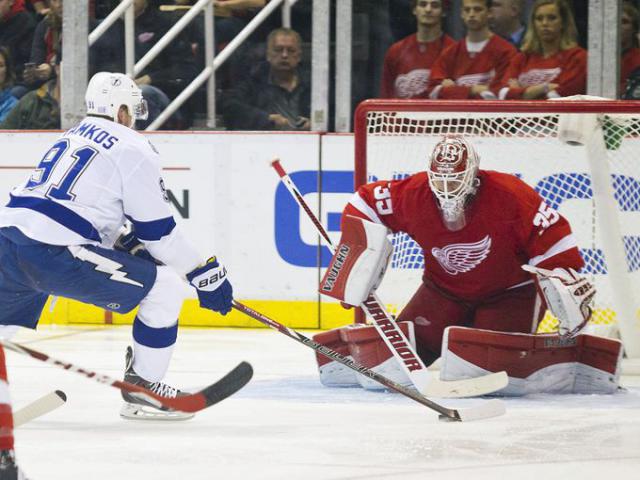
(596, 186)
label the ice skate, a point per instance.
(138, 409)
(8, 468)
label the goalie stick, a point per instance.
(194, 402)
(39, 407)
(487, 409)
(388, 329)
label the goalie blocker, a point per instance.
(535, 363)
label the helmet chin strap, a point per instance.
(453, 210)
(453, 214)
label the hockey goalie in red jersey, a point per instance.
(495, 254)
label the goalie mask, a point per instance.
(107, 92)
(452, 172)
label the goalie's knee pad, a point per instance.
(534, 363)
(332, 373)
(368, 348)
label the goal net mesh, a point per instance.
(525, 144)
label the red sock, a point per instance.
(6, 417)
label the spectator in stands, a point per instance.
(630, 64)
(471, 67)
(38, 109)
(505, 19)
(166, 76)
(46, 44)
(7, 78)
(551, 63)
(407, 64)
(16, 33)
(275, 96)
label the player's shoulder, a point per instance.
(507, 187)
(447, 41)
(496, 42)
(577, 53)
(134, 143)
(400, 185)
(404, 44)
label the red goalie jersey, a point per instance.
(508, 225)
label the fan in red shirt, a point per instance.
(488, 241)
(551, 63)
(629, 27)
(407, 64)
(471, 67)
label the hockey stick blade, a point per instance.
(488, 409)
(39, 407)
(491, 408)
(470, 387)
(190, 403)
(389, 331)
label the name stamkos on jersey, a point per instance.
(462, 257)
(545, 217)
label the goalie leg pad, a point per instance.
(332, 373)
(534, 363)
(359, 263)
(369, 349)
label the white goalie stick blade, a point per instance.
(39, 407)
(131, 411)
(472, 387)
(487, 409)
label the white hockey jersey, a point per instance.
(94, 177)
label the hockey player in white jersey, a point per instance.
(58, 231)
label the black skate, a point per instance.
(138, 409)
(8, 468)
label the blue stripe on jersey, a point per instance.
(58, 213)
(154, 337)
(153, 230)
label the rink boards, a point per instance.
(230, 203)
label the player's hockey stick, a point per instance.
(214, 393)
(393, 336)
(487, 409)
(39, 407)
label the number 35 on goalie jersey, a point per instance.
(506, 216)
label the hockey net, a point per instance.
(597, 186)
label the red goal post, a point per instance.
(595, 185)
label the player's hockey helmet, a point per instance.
(452, 169)
(107, 92)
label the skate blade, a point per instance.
(131, 411)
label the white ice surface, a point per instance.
(285, 425)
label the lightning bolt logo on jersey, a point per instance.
(103, 264)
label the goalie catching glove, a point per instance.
(359, 262)
(213, 287)
(568, 296)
